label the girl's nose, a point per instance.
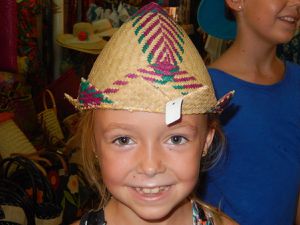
(151, 161)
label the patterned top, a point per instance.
(200, 217)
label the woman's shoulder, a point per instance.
(292, 66)
(225, 62)
(221, 67)
(292, 73)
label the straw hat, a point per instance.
(82, 39)
(150, 65)
(103, 28)
(211, 18)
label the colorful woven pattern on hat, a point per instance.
(166, 43)
(161, 40)
(162, 73)
(222, 103)
(90, 96)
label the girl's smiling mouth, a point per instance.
(152, 190)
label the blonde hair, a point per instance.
(91, 167)
(85, 132)
(218, 217)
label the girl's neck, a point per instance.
(118, 214)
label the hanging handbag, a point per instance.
(8, 37)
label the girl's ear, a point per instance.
(236, 5)
(208, 141)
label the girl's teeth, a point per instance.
(150, 190)
(289, 19)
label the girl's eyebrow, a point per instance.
(127, 126)
(124, 126)
(131, 127)
(184, 125)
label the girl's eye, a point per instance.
(177, 140)
(123, 141)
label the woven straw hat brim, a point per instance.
(190, 104)
(103, 28)
(68, 41)
(90, 51)
(126, 100)
(107, 33)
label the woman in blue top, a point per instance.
(258, 181)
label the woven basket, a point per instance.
(48, 118)
(13, 140)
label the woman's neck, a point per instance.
(256, 64)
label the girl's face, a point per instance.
(272, 20)
(148, 167)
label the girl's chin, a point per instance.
(156, 214)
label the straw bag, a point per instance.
(48, 119)
(8, 37)
(12, 139)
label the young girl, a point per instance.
(259, 183)
(150, 117)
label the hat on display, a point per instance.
(150, 65)
(212, 20)
(82, 39)
(103, 28)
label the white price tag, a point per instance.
(173, 110)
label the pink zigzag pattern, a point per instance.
(160, 37)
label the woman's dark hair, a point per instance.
(228, 13)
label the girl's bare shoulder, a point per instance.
(75, 223)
